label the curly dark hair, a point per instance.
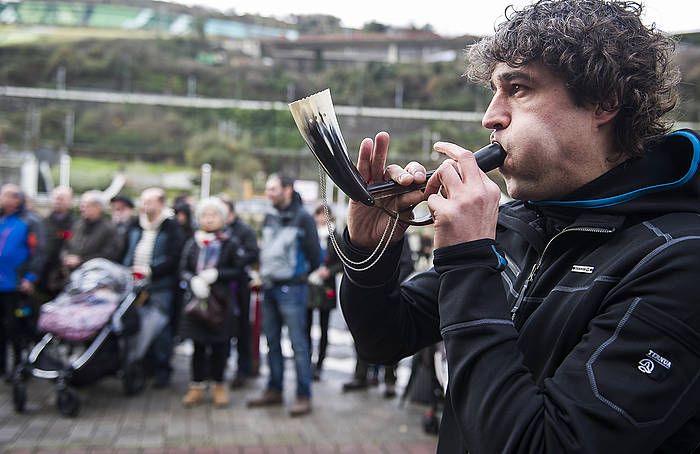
(603, 52)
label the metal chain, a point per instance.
(383, 242)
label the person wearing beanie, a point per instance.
(209, 265)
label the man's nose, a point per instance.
(497, 115)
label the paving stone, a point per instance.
(155, 422)
(7, 433)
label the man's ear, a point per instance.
(605, 112)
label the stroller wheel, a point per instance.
(19, 396)
(68, 402)
(134, 379)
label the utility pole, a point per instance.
(61, 78)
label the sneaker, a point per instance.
(301, 407)
(316, 376)
(354, 385)
(267, 398)
(195, 395)
(220, 395)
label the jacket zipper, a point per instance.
(536, 266)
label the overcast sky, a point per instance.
(468, 17)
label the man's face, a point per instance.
(90, 210)
(121, 212)
(152, 205)
(9, 198)
(278, 195)
(549, 140)
(62, 202)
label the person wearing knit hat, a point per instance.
(210, 265)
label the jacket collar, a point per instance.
(633, 185)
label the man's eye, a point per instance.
(516, 88)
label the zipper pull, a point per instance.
(527, 283)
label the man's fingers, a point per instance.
(398, 174)
(446, 176)
(468, 168)
(378, 161)
(417, 170)
(363, 159)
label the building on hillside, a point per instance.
(312, 52)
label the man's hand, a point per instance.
(141, 271)
(366, 224)
(323, 272)
(71, 261)
(26, 287)
(463, 200)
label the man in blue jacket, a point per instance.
(290, 250)
(21, 260)
(569, 317)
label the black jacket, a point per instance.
(248, 250)
(57, 230)
(577, 331)
(230, 270)
(166, 253)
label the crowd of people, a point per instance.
(197, 259)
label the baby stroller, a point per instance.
(92, 330)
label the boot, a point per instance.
(354, 385)
(195, 395)
(220, 396)
(269, 397)
(301, 407)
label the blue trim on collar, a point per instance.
(626, 197)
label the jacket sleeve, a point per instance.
(602, 397)
(185, 268)
(310, 244)
(36, 243)
(388, 321)
(112, 244)
(169, 264)
(332, 261)
(230, 266)
(250, 252)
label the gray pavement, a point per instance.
(155, 421)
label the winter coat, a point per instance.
(577, 330)
(230, 270)
(248, 250)
(166, 254)
(93, 239)
(290, 246)
(21, 249)
(57, 231)
(324, 296)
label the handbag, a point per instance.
(210, 311)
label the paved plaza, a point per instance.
(156, 422)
